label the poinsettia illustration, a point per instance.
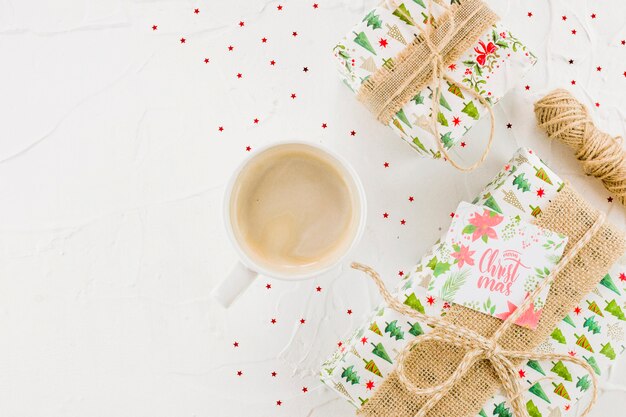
(463, 255)
(530, 317)
(483, 51)
(482, 225)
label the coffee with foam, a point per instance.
(294, 209)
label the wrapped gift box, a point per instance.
(491, 67)
(594, 330)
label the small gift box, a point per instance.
(398, 76)
(592, 330)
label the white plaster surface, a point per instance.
(111, 178)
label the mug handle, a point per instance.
(239, 278)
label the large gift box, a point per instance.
(490, 66)
(593, 330)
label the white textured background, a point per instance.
(111, 176)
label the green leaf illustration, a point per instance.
(453, 283)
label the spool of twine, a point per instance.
(601, 155)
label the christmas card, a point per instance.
(491, 262)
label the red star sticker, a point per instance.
(239, 75)
(293, 95)
(540, 192)
(279, 7)
(236, 344)
(315, 5)
(610, 199)
(430, 300)
(324, 125)
(463, 144)
(386, 164)
(451, 214)
(598, 69)
(221, 128)
(573, 31)
(622, 277)
(521, 373)
(564, 18)
(530, 14)
(411, 199)
(386, 215)
(571, 353)
(577, 310)
(573, 82)
(369, 385)
(456, 121)
(230, 47)
(239, 373)
(593, 15)
(302, 321)
(241, 24)
(154, 27)
(264, 40)
(382, 42)
(279, 403)
(364, 340)
(318, 289)
(206, 60)
(196, 11)
(304, 389)
(402, 222)
(256, 121)
(597, 104)
(268, 286)
(527, 87)
(273, 321)
(352, 133)
(248, 148)
(401, 273)
(294, 34)
(272, 62)
(452, 67)
(183, 40)
(349, 312)
(274, 373)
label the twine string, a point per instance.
(478, 347)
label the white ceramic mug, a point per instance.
(246, 270)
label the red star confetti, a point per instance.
(593, 15)
(577, 310)
(402, 222)
(315, 5)
(540, 192)
(349, 311)
(598, 69)
(411, 199)
(236, 344)
(624, 73)
(256, 121)
(230, 48)
(302, 321)
(369, 385)
(521, 373)
(597, 104)
(305, 69)
(401, 273)
(241, 24)
(451, 214)
(622, 277)
(324, 125)
(239, 373)
(273, 321)
(571, 61)
(206, 60)
(248, 148)
(272, 62)
(183, 40)
(452, 67)
(352, 133)
(527, 87)
(239, 75)
(623, 41)
(364, 340)
(305, 389)
(386, 215)
(573, 31)
(221, 128)
(567, 407)
(268, 286)
(294, 34)
(263, 40)
(610, 199)
(318, 289)
(279, 403)
(293, 95)
(274, 374)
(430, 300)
(279, 7)
(154, 27)
(463, 144)
(509, 125)
(564, 18)
(456, 121)
(196, 11)
(386, 164)
(383, 42)
(573, 82)
(530, 14)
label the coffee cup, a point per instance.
(292, 211)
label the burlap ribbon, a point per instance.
(480, 352)
(424, 61)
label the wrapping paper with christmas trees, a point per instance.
(594, 330)
(496, 62)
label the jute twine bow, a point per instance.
(567, 119)
(384, 112)
(479, 347)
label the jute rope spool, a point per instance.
(601, 155)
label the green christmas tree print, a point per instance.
(419, 144)
(482, 413)
(373, 20)
(379, 350)
(539, 392)
(403, 117)
(557, 335)
(403, 14)
(444, 103)
(532, 409)
(371, 366)
(561, 370)
(593, 306)
(501, 410)
(567, 319)
(454, 89)
(593, 363)
(413, 302)
(442, 119)
(615, 310)
(420, 2)
(397, 124)
(535, 211)
(542, 174)
(591, 324)
(561, 391)
(361, 39)
(447, 140)
(471, 110)
(533, 364)
(521, 182)
(583, 383)
(394, 330)
(374, 327)
(416, 329)
(583, 342)
(339, 387)
(608, 282)
(492, 203)
(350, 375)
(607, 350)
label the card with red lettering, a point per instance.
(490, 262)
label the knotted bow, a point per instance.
(479, 347)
